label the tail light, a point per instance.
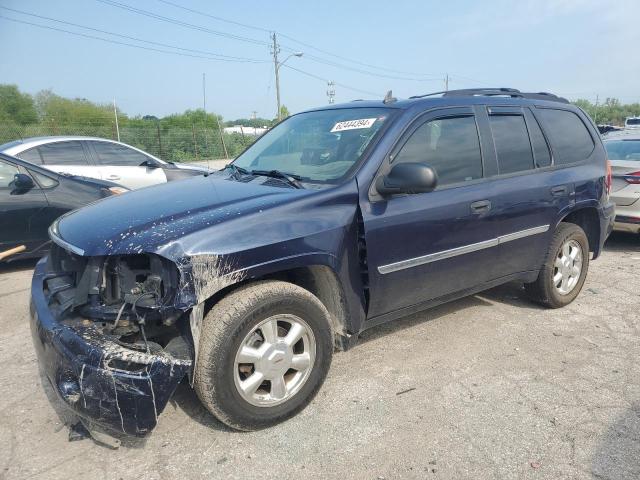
(608, 181)
(633, 178)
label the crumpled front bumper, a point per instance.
(79, 364)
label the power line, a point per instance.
(364, 72)
(318, 59)
(233, 22)
(240, 59)
(115, 41)
(147, 13)
(348, 87)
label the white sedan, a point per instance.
(99, 158)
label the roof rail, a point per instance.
(497, 92)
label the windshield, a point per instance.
(623, 149)
(633, 122)
(317, 146)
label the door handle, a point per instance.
(559, 191)
(481, 206)
(113, 177)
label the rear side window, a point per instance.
(449, 145)
(114, 154)
(63, 153)
(541, 152)
(570, 139)
(512, 143)
(32, 156)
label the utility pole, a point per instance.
(595, 116)
(204, 107)
(204, 94)
(446, 83)
(275, 50)
(331, 91)
(115, 112)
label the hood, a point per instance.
(153, 218)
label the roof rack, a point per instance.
(496, 92)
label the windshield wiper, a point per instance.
(290, 178)
(236, 170)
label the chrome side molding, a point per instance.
(454, 252)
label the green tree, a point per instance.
(16, 107)
(284, 112)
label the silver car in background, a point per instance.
(623, 149)
(99, 158)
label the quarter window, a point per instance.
(63, 153)
(512, 144)
(570, 139)
(448, 145)
(113, 154)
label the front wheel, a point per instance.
(564, 270)
(265, 350)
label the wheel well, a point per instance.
(589, 221)
(324, 284)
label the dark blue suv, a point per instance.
(336, 220)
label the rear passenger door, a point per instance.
(63, 157)
(125, 166)
(527, 193)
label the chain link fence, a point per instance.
(170, 143)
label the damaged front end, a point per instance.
(109, 336)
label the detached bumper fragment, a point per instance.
(105, 382)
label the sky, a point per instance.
(574, 48)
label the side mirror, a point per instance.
(150, 164)
(22, 181)
(407, 178)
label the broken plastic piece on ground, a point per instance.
(77, 432)
(100, 436)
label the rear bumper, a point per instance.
(78, 364)
(629, 224)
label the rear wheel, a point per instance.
(265, 350)
(564, 270)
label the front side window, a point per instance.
(321, 146)
(113, 154)
(7, 174)
(450, 146)
(570, 139)
(63, 153)
(511, 140)
(623, 149)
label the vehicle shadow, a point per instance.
(622, 242)
(618, 454)
(186, 399)
(509, 294)
(18, 265)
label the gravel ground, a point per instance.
(486, 387)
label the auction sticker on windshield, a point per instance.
(353, 124)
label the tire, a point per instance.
(544, 290)
(232, 323)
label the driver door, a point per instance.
(425, 246)
(124, 166)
